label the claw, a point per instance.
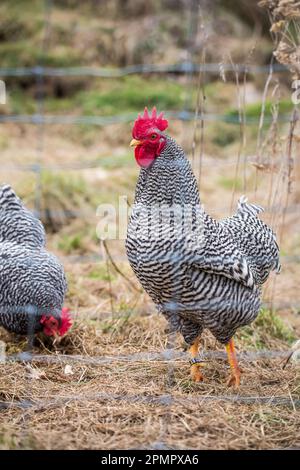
(234, 381)
(196, 373)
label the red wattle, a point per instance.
(144, 155)
(66, 321)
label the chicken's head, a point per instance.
(57, 326)
(148, 137)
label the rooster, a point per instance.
(32, 281)
(200, 273)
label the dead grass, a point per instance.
(285, 27)
(62, 403)
(99, 424)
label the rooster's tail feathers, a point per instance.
(8, 198)
(245, 207)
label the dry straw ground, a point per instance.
(133, 400)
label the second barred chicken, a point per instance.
(32, 280)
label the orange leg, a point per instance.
(235, 371)
(195, 366)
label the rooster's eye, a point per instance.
(153, 136)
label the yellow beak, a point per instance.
(134, 143)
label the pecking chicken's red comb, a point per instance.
(66, 321)
(147, 121)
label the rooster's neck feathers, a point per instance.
(169, 180)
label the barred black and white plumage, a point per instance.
(32, 281)
(255, 238)
(208, 276)
(17, 223)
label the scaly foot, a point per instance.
(234, 380)
(196, 374)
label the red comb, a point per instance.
(143, 123)
(66, 321)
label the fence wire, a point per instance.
(164, 356)
(130, 117)
(186, 67)
(155, 400)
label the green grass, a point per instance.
(4, 142)
(220, 93)
(20, 18)
(131, 94)
(254, 110)
(267, 325)
(117, 325)
(229, 183)
(100, 272)
(20, 102)
(70, 189)
(112, 162)
(225, 134)
(63, 197)
(25, 53)
(274, 325)
(70, 243)
(22, 24)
